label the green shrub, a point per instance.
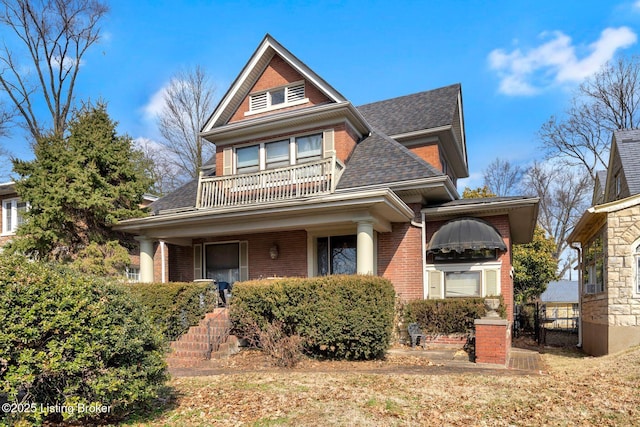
(70, 340)
(344, 317)
(175, 306)
(446, 316)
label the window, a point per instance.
(463, 280)
(132, 273)
(277, 98)
(13, 215)
(593, 263)
(277, 154)
(308, 148)
(248, 159)
(336, 255)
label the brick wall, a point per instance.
(493, 341)
(292, 249)
(400, 258)
(279, 73)
(429, 153)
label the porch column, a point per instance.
(364, 251)
(146, 259)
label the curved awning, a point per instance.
(462, 234)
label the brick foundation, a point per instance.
(493, 341)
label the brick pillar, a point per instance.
(493, 341)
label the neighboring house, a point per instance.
(307, 184)
(561, 302)
(13, 209)
(608, 234)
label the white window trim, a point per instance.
(284, 104)
(128, 273)
(14, 216)
(262, 152)
(635, 253)
(464, 267)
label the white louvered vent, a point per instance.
(258, 102)
(295, 93)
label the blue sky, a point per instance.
(519, 62)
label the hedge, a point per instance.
(343, 317)
(75, 341)
(175, 306)
(447, 316)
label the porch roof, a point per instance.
(521, 211)
(341, 209)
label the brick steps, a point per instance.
(209, 340)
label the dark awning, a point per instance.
(464, 234)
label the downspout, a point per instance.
(424, 251)
(162, 262)
(579, 250)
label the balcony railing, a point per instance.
(293, 182)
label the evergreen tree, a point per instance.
(78, 186)
(534, 266)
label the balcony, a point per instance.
(293, 182)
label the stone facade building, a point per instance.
(608, 237)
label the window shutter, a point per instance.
(244, 261)
(491, 282)
(435, 284)
(295, 93)
(227, 159)
(329, 147)
(197, 262)
(258, 102)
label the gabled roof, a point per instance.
(599, 187)
(418, 111)
(561, 291)
(252, 71)
(627, 143)
(379, 159)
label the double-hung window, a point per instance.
(13, 214)
(280, 153)
(594, 266)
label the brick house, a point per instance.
(608, 240)
(307, 184)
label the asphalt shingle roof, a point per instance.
(477, 201)
(183, 197)
(379, 159)
(628, 143)
(418, 111)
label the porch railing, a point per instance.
(299, 181)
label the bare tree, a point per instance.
(56, 35)
(563, 198)
(159, 167)
(606, 102)
(503, 177)
(188, 103)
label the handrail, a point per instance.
(298, 181)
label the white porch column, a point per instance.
(146, 259)
(365, 252)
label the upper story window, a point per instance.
(12, 214)
(280, 97)
(280, 153)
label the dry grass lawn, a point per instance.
(575, 390)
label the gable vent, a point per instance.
(295, 93)
(258, 102)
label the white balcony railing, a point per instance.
(299, 181)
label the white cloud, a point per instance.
(555, 61)
(636, 5)
(155, 105)
(475, 180)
